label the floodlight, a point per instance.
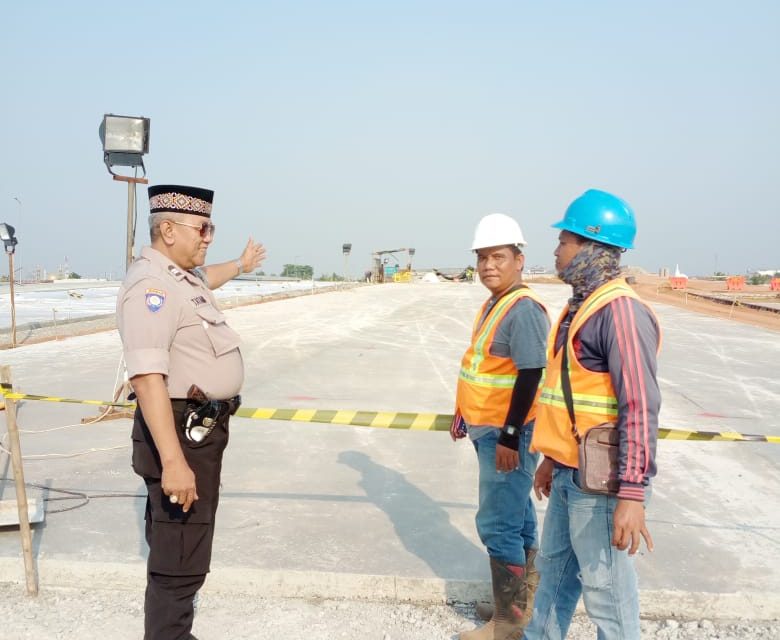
(125, 134)
(411, 252)
(346, 248)
(7, 235)
(125, 141)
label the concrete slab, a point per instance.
(320, 510)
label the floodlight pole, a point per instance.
(130, 224)
(13, 303)
(110, 413)
(131, 183)
(123, 148)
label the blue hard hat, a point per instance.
(600, 216)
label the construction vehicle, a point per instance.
(384, 270)
(467, 275)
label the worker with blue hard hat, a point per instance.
(601, 368)
(602, 217)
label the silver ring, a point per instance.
(173, 499)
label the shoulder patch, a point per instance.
(155, 299)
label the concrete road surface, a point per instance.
(334, 511)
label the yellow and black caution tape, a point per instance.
(12, 395)
(377, 419)
(396, 420)
(712, 436)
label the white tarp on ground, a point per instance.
(293, 491)
(69, 299)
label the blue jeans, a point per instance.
(506, 520)
(577, 557)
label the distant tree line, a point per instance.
(757, 278)
(302, 271)
(333, 277)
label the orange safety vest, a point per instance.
(593, 395)
(486, 381)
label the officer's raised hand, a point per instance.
(252, 256)
(250, 259)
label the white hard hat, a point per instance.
(496, 230)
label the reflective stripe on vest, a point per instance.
(486, 381)
(489, 380)
(594, 398)
(602, 405)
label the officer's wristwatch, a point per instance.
(240, 266)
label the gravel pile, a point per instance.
(57, 614)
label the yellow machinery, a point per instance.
(383, 271)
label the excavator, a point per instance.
(467, 275)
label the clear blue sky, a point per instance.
(395, 124)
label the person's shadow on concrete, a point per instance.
(422, 524)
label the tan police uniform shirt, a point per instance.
(170, 324)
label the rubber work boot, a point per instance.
(532, 582)
(509, 595)
(484, 610)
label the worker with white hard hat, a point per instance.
(495, 406)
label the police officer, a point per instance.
(186, 370)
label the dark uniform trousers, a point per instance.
(179, 543)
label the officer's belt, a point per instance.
(224, 408)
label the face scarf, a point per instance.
(594, 265)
